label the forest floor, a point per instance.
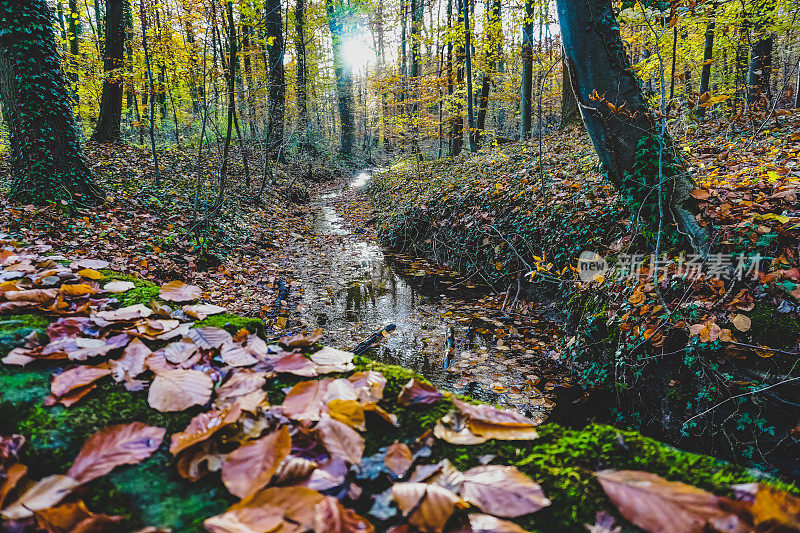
(281, 269)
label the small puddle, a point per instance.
(358, 289)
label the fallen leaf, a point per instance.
(131, 364)
(398, 459)
(369, 385)
(657, 505)
(118, 286)
(493, 415)
(297, 503)
(263, 519)
(427, 507)
(417, 393)
(297, 364)
(348, 412)
(306, 400)
(115, 446)
(75, 378)
(178, 291)
(741, 322)
(46, 493)
(203, 426)
(771, 509)
(75, 518)
(331, 516)
(502, 491)
(90, 273)
(340, 440)
(249, 468)
(132, 312)
(201, 311)
(177, 390)
(332, 360)
(484, 523)
(302, 341)
(208, 337)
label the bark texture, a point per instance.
(604, 83)
(46, 157)
(277, 75)
(108, 122)
(344, 76)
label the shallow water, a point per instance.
(358, 288)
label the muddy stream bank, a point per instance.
(447, 327)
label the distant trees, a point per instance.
(337, 20)
(46, 156)
(108, 122)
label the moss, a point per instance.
(771, 328)
(152, 494)
(233, 323)
(563, 460)
(14, 329)
(55, 434)
(143, 292)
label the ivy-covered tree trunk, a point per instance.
(46, 159)
(640, 162)
(300, 71)
(108, 123)
(708, 54)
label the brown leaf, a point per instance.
(178, 352)
(340, 440)
(492, 415)
(75, 518)
(177, 390)
(297, 503)
(302, 341)
(208, 337)
(234, 354)
(200, 460)
(348, 412)
(294, 470)
(700, 194)
(131, 364)
(76, 290)
(771, 509)
(114, 446)
(306, 400)
(200, 311)
(484, 523)
(369, 385)
(249, 468)
(427, 507)
(47, 492)
(741, 322)
(178, 291)
(657, 505)
(502, 491)
(398, 459)
(241, 383)
(202, 426)
(417, 393)
(37, 296)
(330, 516)
(77, 377)
(14, 474)
(297, 364)
(263, 519)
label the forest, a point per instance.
(413, 266)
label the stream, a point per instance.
(443, 326)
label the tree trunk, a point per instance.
(761, 53)
(230, 78)
(150, 98)
(300, 52)
(414, 81)
(107, 129)
(457, 122)
(46, 157)
(344, 76)
(708, 54)
(473, 147)
(569, 105)
(629, 145)
(277, 81)
(526, 107)
(797, 87)
(492, 31)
